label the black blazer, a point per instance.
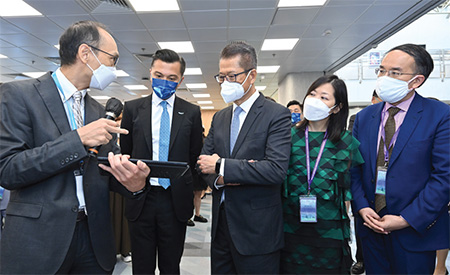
(253, 209)
(185, 145)
(38, 155)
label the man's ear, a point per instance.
(83, 53)
(253, 75)
(179, 83)
(417, 81)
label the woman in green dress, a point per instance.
(316, 223)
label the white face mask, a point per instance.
(315, 109)
(102, 76)
(232, 91)
(392, 90)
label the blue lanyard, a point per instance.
(73, 124)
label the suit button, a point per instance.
(373, 180)
(75, 209)
(71, 157)
(75, 155)
(67, 160)
(62, 162)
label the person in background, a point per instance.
(162, 127)
(296, 111)
(316, 224)
(358, 267)
(58, 218)
(245, 158)
(401, 191)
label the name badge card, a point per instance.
(380, 187)
(308, 208)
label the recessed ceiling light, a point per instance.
(284, 44)
(3, 56)
(34, 74)
(207, 107)
(178, 46)
(193, 71)
(196, 85)
(101, 97)
(205, 102)
(201, 95)
(300, 3)
(267, 69)
(260, 88)
(17, 8)
(135, 87)
(155, 5)
(121, 73)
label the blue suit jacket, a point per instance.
(418, 178)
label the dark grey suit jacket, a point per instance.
(253, 209)
(185, 145)
(38, 155)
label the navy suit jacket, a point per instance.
(253, 209)
(418, 177)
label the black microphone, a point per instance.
(113, 110)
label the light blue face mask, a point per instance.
(164, 88)
(102, 76)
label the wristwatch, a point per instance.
(218, 162)
(140, 191)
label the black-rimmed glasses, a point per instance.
(230, 78)
(115, 57)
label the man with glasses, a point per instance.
(401, 191)
(245, 158)
(58, 219)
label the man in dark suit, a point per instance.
(162, 127)
(58, 218)
(246, 155)
(401, 191)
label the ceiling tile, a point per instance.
(35, 24)
(390, 12)
(212, 19)
(213, 34)
(66, 20)
(256, 33)
(318, 31)
(15, 52)
(170, 35)
(120, 22)
(303, 16)
(209, 47)
(188, 5)
(133, 37)
(339, 15)
(8, 28)
(255, 17)
(57, 7)
(253, 4)
(43, 51)
(286, 31)
(161, 21)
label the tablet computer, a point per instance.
(158, 169)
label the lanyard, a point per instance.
(383, 136)
(73, 124)
(308, 167)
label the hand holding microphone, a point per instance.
(99, 132)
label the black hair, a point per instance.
(169, 56)
(294, 102)
(77, 34)
(337, 124)
(374, 94)
(422, 59)
(246, 51)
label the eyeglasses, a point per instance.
(394, 74)
(115, 57)
(230, 78)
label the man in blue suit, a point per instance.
(402, 226)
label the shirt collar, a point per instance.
(404, 105)
(246, 105)
(156, 100)
(68, 89)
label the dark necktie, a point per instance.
(389, 128)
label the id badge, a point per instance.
(308, 208)
(380, 187)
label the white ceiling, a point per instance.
(355, 25)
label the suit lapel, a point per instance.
(252, 115)
(177, 119)
(374, 127)
(225, 129)
(408, 126)
(91, 111)
(145, 111)
(52, 99)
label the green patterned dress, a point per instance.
(322, 247)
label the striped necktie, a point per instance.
(76, 107)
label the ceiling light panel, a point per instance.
(196, 85)
(17, 8)
(178, 46)
(300, 3)
(193, 71)
(267, 69)
(154, 5)
(284, 44)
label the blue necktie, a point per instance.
(234, 131)
(164, 140)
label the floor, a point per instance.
(195, 258)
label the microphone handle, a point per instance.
(93, 151)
